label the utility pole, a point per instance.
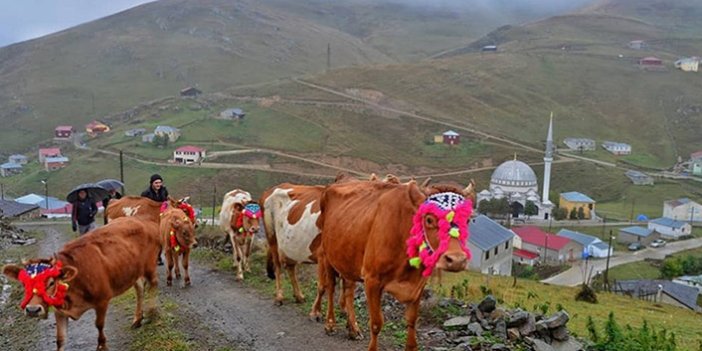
(328, 56)
(2, 191)
(631, 217)
(121, 170)
(609, 253)
(214, 202)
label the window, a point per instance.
(506, 245)
(495, 250)
(487, 255)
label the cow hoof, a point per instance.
(315, 317)
(136, 324)
(102, 348)
(177, 276)
(355, 334)
(329, 329)
(299, 299)
(169, 282)
(187, 282)
(278, 302)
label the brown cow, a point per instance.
(240, 218)
(391, 237)
(134, 206)
(98, 266)
(178, 235)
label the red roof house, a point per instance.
(696, 155)
(63, 132)
(650, 61)
(551, 247)
(524, 257)
(48, 152)
(188, 154)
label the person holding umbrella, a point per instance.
(111, 185)
(84, 210)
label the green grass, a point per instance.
(645, 269)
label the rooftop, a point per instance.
(10, 165)
(535, 236)
(50, 151)
(486, 233)
(584, 239)
(189, 148)
(575, 196)
(165, 129)
(64, 128)
(450, 133)
(12, 208)
(525, 254)
(680, 202)
(668, 222)
(686, 295)
(638, 231)
(56, 159)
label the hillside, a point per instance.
(677, 15)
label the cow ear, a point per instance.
(68, 273)
(11, 271)
(239, 207)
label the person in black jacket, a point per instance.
(156, 190)
(112, 194)
(83, 216)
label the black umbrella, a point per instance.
(95, 192)
(110, 184)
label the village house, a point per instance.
(48, 152)
(696, 167)
(148, 138)
(651, 63)
(17, 210)
(670, 228)
(688, 64)
(188, 154)
(637, 44)
(19, 159)
(525, 257)
(697, 155)
(55, 163)
(56, 207)
(451, 138)
(95, 128)
(63, 132)
(580, 144)
(639, 178)
(135, 132)
(549, 247)
(682, 209)
(617, 148)
(491, 246)
(664, 291)
(190, 91)
(575, 200)
(10, 168)
(488, 48)
(636, 234)
(232, 113)
(694, 281)
(593, 246)
(172, 133)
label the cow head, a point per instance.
(246, 219)
(182, 229)
(439, 235)
(45, 284)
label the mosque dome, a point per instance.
(514, 173)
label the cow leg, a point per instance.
(176, 264)
(100, 314)
(329, 280)
(169, 265)
(275, 256)
(61, 326)
(186, 264)
(152, 292)
(316, 312)
(374, 292)
(247, 253)
(411, 314)
(348, 288)
(292, 274)
(139, 312)
(239, 258)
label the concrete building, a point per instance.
(639, 178)
(48, 152)
(9, 169)
(491, 246)
(575, 200)
(19, 159)
(636, 234)
(172, 133)
(550, 248)
(592, 245)
(670, 228)
(189, 154)
(580, 144)
(688, 64)
(18, 210)
(682, 209)
(617, 148)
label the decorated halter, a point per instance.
(185, 207)
(453, 211)
(34, 277)
(251, 210)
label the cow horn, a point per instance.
(469, 191)
(373, 177)
(426, 182)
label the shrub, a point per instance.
(616, 338)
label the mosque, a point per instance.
(517, 182)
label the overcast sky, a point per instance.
(26, 19)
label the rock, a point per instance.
(439, 348)
(463, 347)
(485, 324)
(558, 319)
(462, 340)
(501, 329)
(475, 329)
(540, 345)
(529, 327)
(570, 345)
(542, 329)
(488, 304)
(498, 313)
(280, 334)
(499, 347)
(512, 334)
(436, 333)
(560, 333)
(517, 319)
(456, 323)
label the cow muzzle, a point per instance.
(453, 262)
(35, 311)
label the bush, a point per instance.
(616, 338)
(559, 214)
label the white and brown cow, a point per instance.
(240, 217)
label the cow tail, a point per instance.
(270, 238)
(270, 269)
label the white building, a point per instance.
(617, 148)
(516, 181)
(188, 154)
(491, 246)
(682, 209)
(580, 144)
(172, 133)
(670, 228)
(593, 246)
(689, 64)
